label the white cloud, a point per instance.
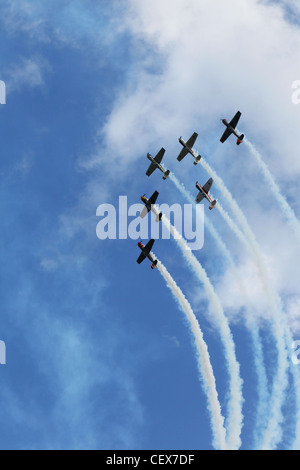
(27, 72)
(49, 264)
(293, 311)
(20, 16)
(61, 21)
(202, 63)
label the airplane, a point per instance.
(149, 206)
(230, 129)
(156, 163)
(204, 193)
(188, 148)
(146, 253)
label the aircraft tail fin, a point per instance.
(240, 139)
(197, 159)
(166, 174)
(154, 264)
(158, 217)
(212, 205)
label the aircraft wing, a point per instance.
(160, 155)
(208, 185)
(200, 197)
(226, 134)
(182, 154)
(153, 198)
(150, 170)
(149, 246)
(144, 212)
(234, 122)
(141, 258)
(190, 143)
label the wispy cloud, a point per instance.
(26, 73)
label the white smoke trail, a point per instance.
(295, 225)
(273, 433)
(234, 227)
(263, 395)
(263, 403)
(296, 378)
(235, 404)
(282, 202)
(204, 364)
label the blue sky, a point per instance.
(99, 356)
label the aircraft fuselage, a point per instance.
(191, 151)
(226, 123)
(148, 255)
(151, 207)
(203, 192)
(152, 160)
(146, 202)
(212, 203)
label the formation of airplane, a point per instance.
(203, 190)
(146, 253)
(230, 129)
(156, 163)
